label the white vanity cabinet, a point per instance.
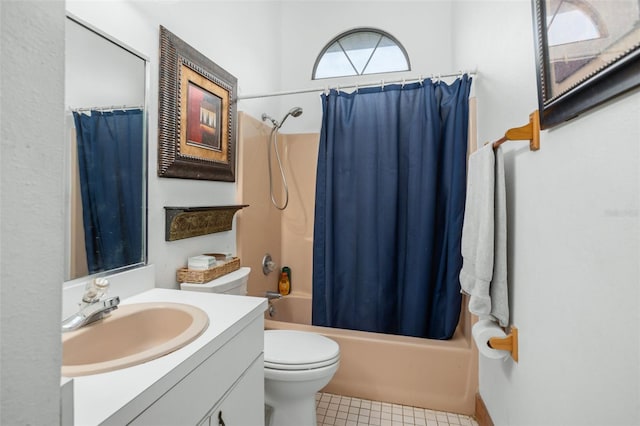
(235, 408)
(231, 382)
(218, 376)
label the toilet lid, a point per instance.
(298, 350)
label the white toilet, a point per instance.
(297, 364)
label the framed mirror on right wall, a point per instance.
(587, 52)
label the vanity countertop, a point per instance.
(118, 396)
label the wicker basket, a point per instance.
(185, 275)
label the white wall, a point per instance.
(574, 231)
(31, 223)
(99, 73)
(573, 220)
(269, 46)
(423, 28)
(241, 38)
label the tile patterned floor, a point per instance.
(336, 410)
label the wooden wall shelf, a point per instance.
(187, 222)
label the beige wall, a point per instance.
(258, 226)
(301, 159)
(261, 228)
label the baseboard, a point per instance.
(482, 414)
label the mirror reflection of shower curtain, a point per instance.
(112, 203)
(390, 195)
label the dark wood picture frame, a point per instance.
(196, 114)
(575, 75)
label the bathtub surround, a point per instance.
(259, 226)
(286, 235)
(366, 371)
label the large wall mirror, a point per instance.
(106, 86)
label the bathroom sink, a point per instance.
(131, 335)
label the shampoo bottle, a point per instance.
(288, 271)
(284, 287)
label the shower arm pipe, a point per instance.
(354, 86)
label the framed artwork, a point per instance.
(587, 52)
(196, 116)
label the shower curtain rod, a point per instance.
(106, 108)
(354, 86)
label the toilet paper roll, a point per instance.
(484, 330)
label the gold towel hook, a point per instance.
(530, 131)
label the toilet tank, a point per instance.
(231, 283)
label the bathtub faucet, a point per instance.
(272, 295)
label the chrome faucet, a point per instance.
(93, 306)
(272, 295)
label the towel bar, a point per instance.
(530, 131)
(509, 343)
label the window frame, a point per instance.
(355, 31)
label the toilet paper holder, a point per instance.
(509, 343)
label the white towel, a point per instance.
(499, 288)
(484, 237)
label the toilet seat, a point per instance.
(297, 350)
(296, 367)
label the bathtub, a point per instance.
(434, 374)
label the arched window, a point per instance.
(361, 51)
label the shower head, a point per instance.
(295, 112)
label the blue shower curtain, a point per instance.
(390, 195)
(110, 156)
